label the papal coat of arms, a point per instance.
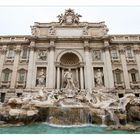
(69, 17)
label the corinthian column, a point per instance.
(88, 68)
(81, 78)
(15, 67)
(58, 77)
(2, 58)
(51, 66)
(108, 66)
(124, 66)
(30, 66)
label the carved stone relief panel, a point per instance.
(96, 55)
(42, 55)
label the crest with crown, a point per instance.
(69, 17)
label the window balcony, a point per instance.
(20, 84)
(130, 60)
(9, 60)
(119, 85)
(24, 60)
(5, 84)
(115, 59)
(135, 84)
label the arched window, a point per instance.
(118, 76)
(6, 75)
(22, 75)
(134, 77)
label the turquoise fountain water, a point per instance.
(44, 128)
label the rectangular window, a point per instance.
(10, 53)
(21, 77)
(114, 54)
(118, 78)
(6, 76)
(134, 78)
(24, 53)
(129, 53)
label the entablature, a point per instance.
(126, 39)
(15, 39)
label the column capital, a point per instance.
(57, 64)
(136, 49)
(52, 42)
(106, 43)
(122, 51)
(51, 48)
(86, 45)
(52, 45)
(18, 49)
(82, 64)
(32, 44)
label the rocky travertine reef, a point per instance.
(72, 107)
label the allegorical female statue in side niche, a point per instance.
(41, 78)
(99, 78)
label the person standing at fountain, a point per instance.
(69, 80)
(99, 78)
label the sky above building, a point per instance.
(17, 18)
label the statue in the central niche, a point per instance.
(99, 78)
(69, 80)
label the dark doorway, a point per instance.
(137, 94)
(19, 94)
(2, 98)
(120, 95)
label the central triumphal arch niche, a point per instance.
(71, 62)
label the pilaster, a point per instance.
(30, 66)
(51, 66)
(137, 56)
(124, 66)
(108, 65)
(88, 67)
(2, 58)
(15, 67)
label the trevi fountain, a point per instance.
(69, 77)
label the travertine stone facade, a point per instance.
(95, 58)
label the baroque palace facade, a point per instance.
(93, 58)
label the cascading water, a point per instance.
(103, 117)
(81, 115)
(114, 117)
